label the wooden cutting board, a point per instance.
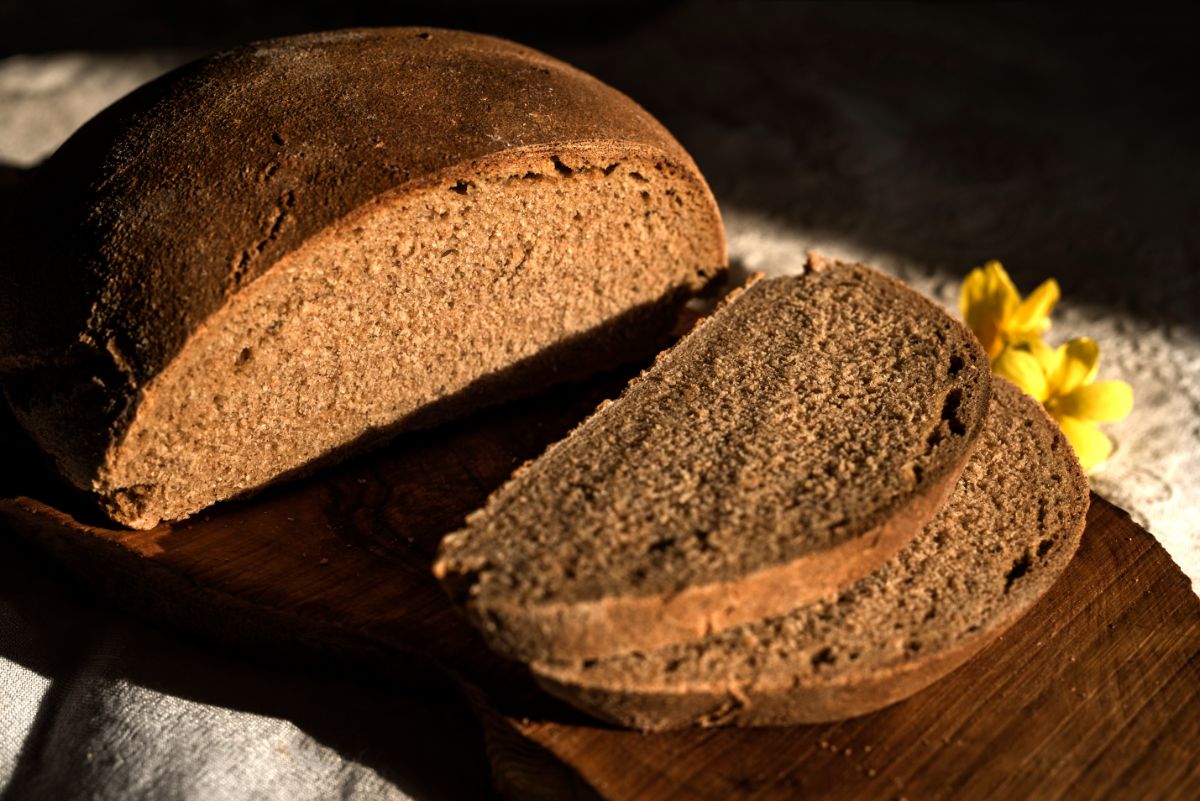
(1094, 694)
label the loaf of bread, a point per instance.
(792, 443)
(1008, 530)
(277, 255)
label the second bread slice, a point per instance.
(1008, 530)
(789, 445)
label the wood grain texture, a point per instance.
(1094, 694)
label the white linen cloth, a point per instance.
(96, 705)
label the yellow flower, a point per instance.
(992, 308)
(1063, 379)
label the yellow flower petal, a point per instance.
(1049, 358)
(974, 290)
(1020, 367)
(1091, 444)
(978, 311)
(1001, 290)
(987, 300)
(1080, 361)
(1102, 401)
(1033, 313)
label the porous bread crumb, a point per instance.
(1010, 527)
(801, 417)
(426, 306)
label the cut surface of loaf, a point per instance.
(276, 255)
(1008, 530)
(791, 443)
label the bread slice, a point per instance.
(278, 254)
(789, 445)
(1008, 530)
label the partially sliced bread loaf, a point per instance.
(1008, 530)
(278, 254)
(790, 444)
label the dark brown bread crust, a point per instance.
(482, 570)
(178, 196)
(813, 690)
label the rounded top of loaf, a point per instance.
(183, 192)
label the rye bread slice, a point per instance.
(790, 444)
(281, 254)
(1011, 525)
